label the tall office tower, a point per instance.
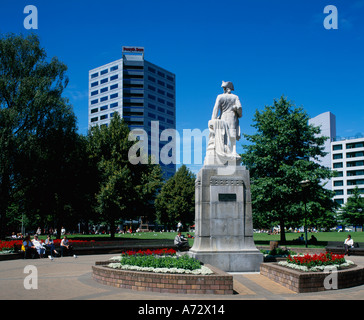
(143, 93)
(348, 162)
(345, 157)
(327, 122)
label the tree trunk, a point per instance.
(283, 232)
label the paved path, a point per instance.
(70, 279)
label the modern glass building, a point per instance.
(143, 93)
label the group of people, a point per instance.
(36, 248)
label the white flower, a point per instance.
(203, 271)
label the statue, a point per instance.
(224, 128)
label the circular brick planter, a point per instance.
(218, 283)
(300, 281)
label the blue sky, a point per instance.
(267, 48)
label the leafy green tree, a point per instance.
(352, 212)
(125, 190)
(30, 99)
(176, 201)
(284, 151)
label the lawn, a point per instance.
(259, 238)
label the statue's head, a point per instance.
(227, 85)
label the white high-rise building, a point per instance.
(345, 156)
(141, 92)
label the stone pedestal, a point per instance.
(224, 228)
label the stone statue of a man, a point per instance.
(224, 127)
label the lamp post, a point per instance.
(305, 184)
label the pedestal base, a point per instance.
(240, 261)
(223, 218)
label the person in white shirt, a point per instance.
(65, 246)
(348, 243)
(38, 246)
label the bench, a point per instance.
(337, 247)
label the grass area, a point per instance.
(321, 236)
(259, 238)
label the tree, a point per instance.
(176, 201)
(284, 151)
(125, 190)
(353, 209)
(30, 98)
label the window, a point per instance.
(337, 156)
(161, 83)
(161, 74)
(353, 173)
(339, 174)
(151, 87)
(151, 97)
(339, 183)
(103, 117)
(170, 78)
(113, 96)
(113, 105)
(114, 77)
(114, 68)
(355, 182)
(161, 101)
(337, 147)
(94, 84)
(94, 119)
(161, 92)
(354, 145)
(151, 115)
(170, 87)
(171, 113)
(94, 75)
(151, 106)
(104, 99)
(351, 191)
(161, 110)
(104, 90)
(339, 192)
(170, 95)
(355, 154)
(114, 86)
(94, 110)
(151, 69)
(104, 80)
(103, 108)
(151, 79)
(339, 201)
(94, 101)
(104, 72)
(355, 163)
(94, 93)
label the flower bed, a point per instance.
(158, 261)
(316, 262)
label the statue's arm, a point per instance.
(238, 108)
(215, 112)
